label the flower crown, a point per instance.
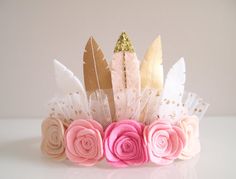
(124, 113)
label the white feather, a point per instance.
(195, 105)
(67, 82)
(100, 109)
(74, 103)
(68, 108)
(175, 80)
(171, 107)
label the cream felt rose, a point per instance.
(164, 141)
(190, 127)
(53, 144)
(84, 142)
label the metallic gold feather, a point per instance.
(152, 68)
(151, 80)
(97, 75)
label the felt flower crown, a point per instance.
(124, 113)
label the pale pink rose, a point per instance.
(53, 144)
(190, 127)
(124, 144)
(164, 141)
(84, 144)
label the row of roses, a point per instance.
(123, 143)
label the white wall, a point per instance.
(33, 33)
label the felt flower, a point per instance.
(190, 127)
(124, 144)
(84, 144)
(53, 144)
(164, 141)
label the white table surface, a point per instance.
(20, 156)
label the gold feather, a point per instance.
(97, 75)
(151, 67)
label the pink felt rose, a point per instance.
(190, 127)
(164, 141)
(124, 144)
(84, 144)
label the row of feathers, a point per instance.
(124, 89)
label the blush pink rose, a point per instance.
(84, 144)
(164, 141)
(124, 144)
(190, 127)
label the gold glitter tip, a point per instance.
(123, 44)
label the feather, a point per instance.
(69, 108)
(66, 81)
(74, 104)
(149, 104)
(195, 105)
(97, 78)
(125, 79)
(175, 80)
(100, 114)
(171, 106)
(152, 68)
(151, 80)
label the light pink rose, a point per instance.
(53, 144)
(190, 127)
(164, 141)
(124, 144)
(84, 142)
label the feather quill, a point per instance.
(125, 79)
(97, 78)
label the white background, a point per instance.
(33, 33)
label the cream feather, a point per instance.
(125, 79)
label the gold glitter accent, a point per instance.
(123, 44)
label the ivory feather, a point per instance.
(97, 79)
(125, 79)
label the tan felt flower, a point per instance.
(53, 145)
